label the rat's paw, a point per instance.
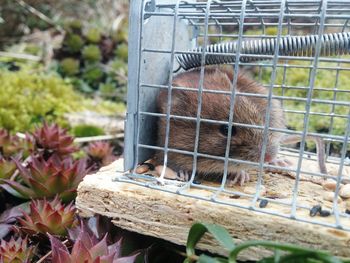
(281, 162)
(145, 167)
(170, 174)
(183, 176)
(241, 177)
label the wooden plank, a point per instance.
(169, 216)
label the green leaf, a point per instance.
(206, 259)
(199, 229)
(296, 251)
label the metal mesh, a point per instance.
(312, 87)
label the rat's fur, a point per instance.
(245, 145)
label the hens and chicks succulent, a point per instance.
(89, 57)
(41, 167)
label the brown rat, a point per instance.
(246, 143)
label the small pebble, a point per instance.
(329, 185)
(325, 213)
(263, 203)
(347, 211)
(314, 210)
(329, 196)
(344, 191)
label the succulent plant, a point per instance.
(16, 251)
(51, 139)
(93, 35)
(121, 35)
(121, 51)
(43, 178)
(69, 66)
(88, 249)
(74, 43)
(7, 168)
(9, 144)
(48, 217)
(12, 145)
(101, 152)
(92, 53)
(118, 65)
(73, 26)
(93, 74)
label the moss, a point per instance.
(27, 99)
(93, 35)
(87, 131)
(69, 66)
(296, 86)
(32, 49)
(74, 43)
(92, 53)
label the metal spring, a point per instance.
(331, 44)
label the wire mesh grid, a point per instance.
(312, 87)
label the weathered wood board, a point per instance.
(169, 216)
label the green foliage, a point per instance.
(73, 26)
(74, 43)
(93, 74)
(107, 89)
(292, 253)
(102, 60)
(121, 35)
(85, 130)
(121, 52)
(69, 66)
(297, 76)
(93, 35)
(26, 99)
(32, 49)
(92, 53)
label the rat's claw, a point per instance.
(240, 178)
(281, 162)
(183, 176)
(160, 181)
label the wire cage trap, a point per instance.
(298, 51)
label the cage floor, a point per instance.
(169, 216)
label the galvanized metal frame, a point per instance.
(201, 15)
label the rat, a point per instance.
(246, 142)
